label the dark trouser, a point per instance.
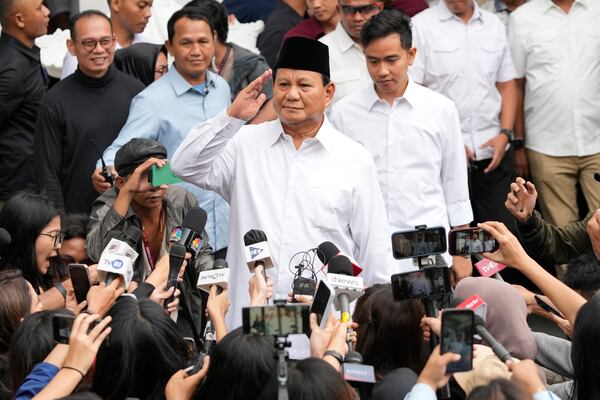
(488, 194)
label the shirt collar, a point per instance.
(499, 6)
(323, 136)
(548, 4)
(33, 53)
(181, 86)
(342, 38)
(372, 98)
(446, 14)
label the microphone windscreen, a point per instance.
(5, 240)
(195, 220)
(177, 250)
(254, 236)
(326, 251)
(340, 265)
(220, 264)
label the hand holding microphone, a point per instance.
(260, 289)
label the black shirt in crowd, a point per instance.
(22, 87)
(282, 19)
(75, 111)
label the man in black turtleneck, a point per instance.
(93, 103)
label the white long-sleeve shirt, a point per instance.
(326, 190)
(418, 150)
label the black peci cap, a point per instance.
(304, 54)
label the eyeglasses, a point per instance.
(363, 10)
(57, 236)
(162, 70)
(90, 44)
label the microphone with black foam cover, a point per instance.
(190, 233)
(176, 259)
(221, 281)
(256, 250)
(347, 289)
(476, 304)
(327, 250)
(5, 241)
(119, 256)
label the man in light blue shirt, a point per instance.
(166, 110)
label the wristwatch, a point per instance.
(335, 354)
(509, 133)
(517, 143)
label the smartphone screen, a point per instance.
(471, 241)
(419, 243)
(322, 302)
(457, 337)
(284, 320)
(61, 327)
(162, 176)
(80, 280)
(428, 282)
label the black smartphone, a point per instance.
(547, 307)
(276, 320)
(419, 243)
(61, 327)
(322, 302)
(457, 337)
(464, 242)
(80, 281)
(424, 283)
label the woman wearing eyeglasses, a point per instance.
(34, 225)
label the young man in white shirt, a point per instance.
(556, 51)
(464, 55)
(413, 134)
(296, 178)
(346, 59)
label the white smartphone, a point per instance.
(322, 302)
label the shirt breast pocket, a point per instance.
(445, 58)
(543, 48)
(491, 59)
(332, 208)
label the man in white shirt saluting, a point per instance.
(296, 178)
(413, 134)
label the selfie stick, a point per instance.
(281, 354)
(431, 310)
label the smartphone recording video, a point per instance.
(457, 337)
(322, 302)
(61, 327)
(424, 283)
(464, 242)
(288, 319)
(419, 243)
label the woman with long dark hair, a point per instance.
(143, 351)
(34, 225)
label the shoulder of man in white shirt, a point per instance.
(523, 13)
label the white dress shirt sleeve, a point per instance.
(370, 229)
(454, 171)
(506, 71)
(207, 156)
(421, 391)
(518, 49)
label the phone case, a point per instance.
(162, 176)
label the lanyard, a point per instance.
(151, 261)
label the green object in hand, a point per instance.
(162, 176)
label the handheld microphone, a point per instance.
(5, 241)
(190, 233)
(479, 307)
(119, 256)
(347, 289)
(327, 250)
(497, 347)
(221, 282)
(218, 275)
(256, 250)
(105, 170)
(176, 259)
